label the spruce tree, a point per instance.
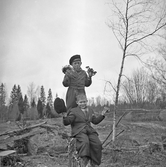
(50, 98)
(33, 103)
(13, 95)
(42, 96)
(26, 102)
(48, 111)
(21, 105)
(40, 108)
(2, 95)
(19, 93)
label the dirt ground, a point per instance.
(139, 144)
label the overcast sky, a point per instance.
(37, 38)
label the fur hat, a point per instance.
(67, 67)
(59, 105)
(74, 58)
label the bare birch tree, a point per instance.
(139, 88)
(134, 23)
(162, 45)
(33, 92)
(157, 67)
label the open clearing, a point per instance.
(141, 144)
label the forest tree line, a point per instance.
(137, 36)
(145, 88)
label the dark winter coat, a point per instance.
(76, 84)
(88, 143)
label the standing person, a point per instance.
(76, 80)
(88, 145)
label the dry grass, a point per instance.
(140, 145)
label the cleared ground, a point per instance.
(140, 144)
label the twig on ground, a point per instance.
(115, 136)
(115, 126)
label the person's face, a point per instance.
(82, 103)
(76, 65)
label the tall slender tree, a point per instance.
(33, 103)
(2, 95)
(43, 96)
(40, 108)
(48, 111)
(32, 92)
(19, 93)
(13, 95)
(135, 24)
(50, 98)
(139, 88)
(21, 105)
(26, 103)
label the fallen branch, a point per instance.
(18, 137)
(115, 136)
(115, 126)
(20, 131)
(6, 153)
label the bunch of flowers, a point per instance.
(91, 71)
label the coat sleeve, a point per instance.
(96, 119)
(66, 81)
(88, 80)
(68, 120)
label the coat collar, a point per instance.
(82, 114)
